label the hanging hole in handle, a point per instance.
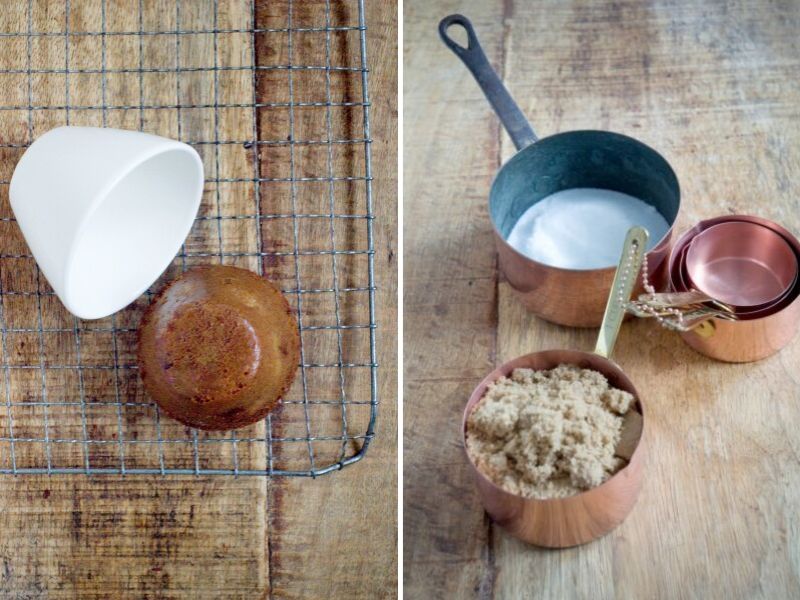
(458, 35)
(459, 39)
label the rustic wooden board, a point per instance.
(175, 537)
(709, 86)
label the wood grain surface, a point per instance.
(712, 87)
(201, 537)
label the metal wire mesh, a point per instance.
(274, 96)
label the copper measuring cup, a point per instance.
(564, 522)
(541, 167)
(745, 265)
(756, 334)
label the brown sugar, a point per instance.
(548, 434)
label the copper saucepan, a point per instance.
(541, 167)
(564, 522)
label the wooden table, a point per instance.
(209, 537)
(712, 86)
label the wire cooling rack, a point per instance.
(274, 97)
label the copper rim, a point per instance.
(562, 522)
(681, 284)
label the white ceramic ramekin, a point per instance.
(104, 211)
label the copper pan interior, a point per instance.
(742, 264)
(562, 522)
(681, 283)
(773, 307)
(743, 314)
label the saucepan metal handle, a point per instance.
(474, 58)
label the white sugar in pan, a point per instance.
(583, 228)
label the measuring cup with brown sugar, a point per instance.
(583, 517)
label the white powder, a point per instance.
(583, 228)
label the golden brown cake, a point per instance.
(218, 347)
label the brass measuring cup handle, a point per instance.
(496, 93)
(630, 263)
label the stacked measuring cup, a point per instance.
(749, 264)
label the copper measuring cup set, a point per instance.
(749, 261)
(759, 330)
